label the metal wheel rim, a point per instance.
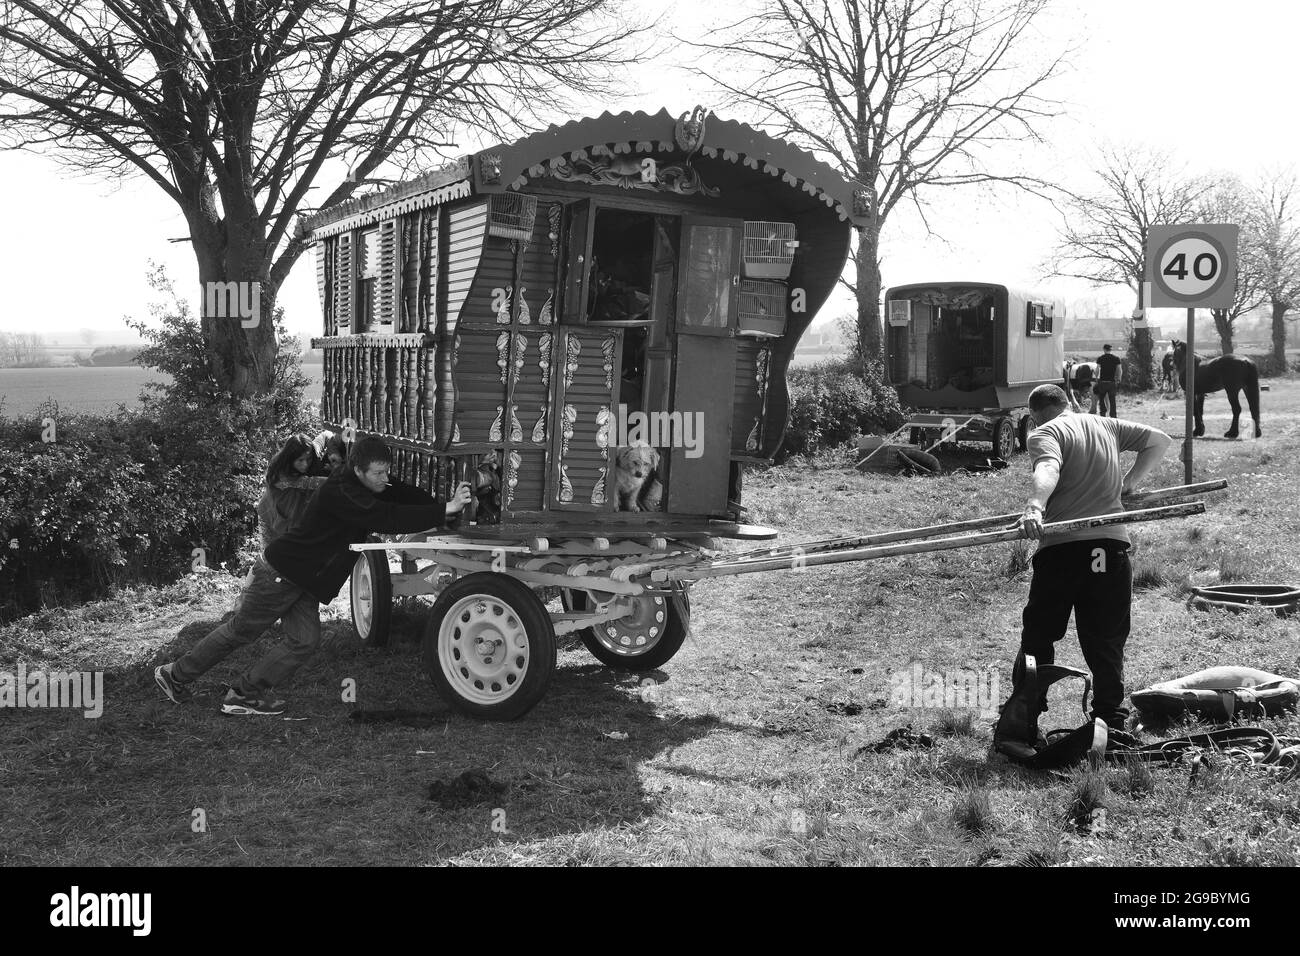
(1006, 440)
(637, 633)
(483, 649)
(363, 598)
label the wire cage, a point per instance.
(768, 249)
(762, 308)
(511, 216)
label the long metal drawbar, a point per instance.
(869, 547)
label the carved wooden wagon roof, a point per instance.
(513, 166)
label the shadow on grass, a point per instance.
(154, 782)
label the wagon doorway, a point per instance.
(951, 341)
(706, 363)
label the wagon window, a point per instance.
(367, 277)
(622, 253)
(707, 277)
(1040, 319)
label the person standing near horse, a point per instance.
(1077, 475)
(304, 568)
(1110, 372)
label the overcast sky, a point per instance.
(1209, 81)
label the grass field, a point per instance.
(753, 746)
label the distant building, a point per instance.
(1085, 336)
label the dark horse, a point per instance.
(1231, 373)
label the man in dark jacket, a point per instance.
(1110, 370)
(304, 568)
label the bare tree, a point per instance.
(233, 107)
(1103, 240)
(900, 95)
(1228, 201)
(88, 335)
(1276, 250)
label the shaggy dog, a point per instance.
(637, 478)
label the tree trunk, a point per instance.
(1223, 325)
(1138, 358)
(242, 347)
(1279, 335)
(867, 261)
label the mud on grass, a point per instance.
(754, 747)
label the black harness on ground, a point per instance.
(1016, 734)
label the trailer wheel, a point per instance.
(646, 639)
(489, 646)
(1022, 433)
(1004, 439)
(371, 596)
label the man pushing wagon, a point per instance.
(303, 569)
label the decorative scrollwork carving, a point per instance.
(626, 173)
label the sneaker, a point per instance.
(175, 690)
(237, 703)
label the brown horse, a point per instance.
(1231, 373)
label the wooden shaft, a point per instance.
(726, 568)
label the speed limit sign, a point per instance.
(1192, 266)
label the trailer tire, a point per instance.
(1022, 433)
(502, 681)
(370, 592)
(1004, 439)
(627, 644)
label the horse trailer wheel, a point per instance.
(489, 646)
(371, 594)
(647, 638)
(1004, 439)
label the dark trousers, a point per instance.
(270, 597)
(1094, 579)
(1105, 392)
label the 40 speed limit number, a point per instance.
(1191, 266)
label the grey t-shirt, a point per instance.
(1086, 448)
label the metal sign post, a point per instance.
(1189, 360)
(1192, 266)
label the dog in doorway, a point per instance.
(636, 474)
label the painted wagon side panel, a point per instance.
(491, 296)
(466, 232)
(479, 365)
(585, 420)
(537, 277)
(752, 360)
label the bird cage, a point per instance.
(511, 216)
(762, 308)
(769, 249)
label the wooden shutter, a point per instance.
(343, 284)
(389, 273)
(319, 251)
(577, 266)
